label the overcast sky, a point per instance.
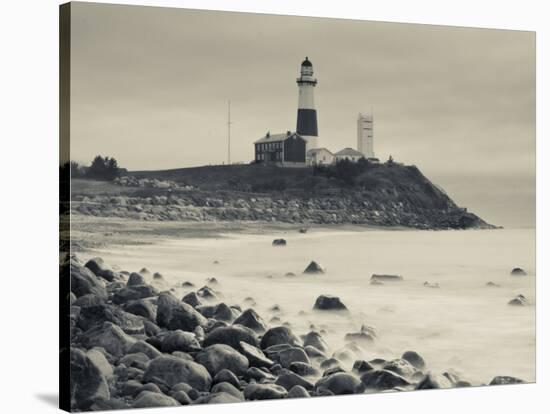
(150, 87)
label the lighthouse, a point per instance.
(306, 125)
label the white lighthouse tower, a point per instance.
(306, 124)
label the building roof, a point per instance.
(306, 62)
(277, 137)
(316, 150)
(349, 152)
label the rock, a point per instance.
(303, 230)
(279, 242)
(100, 269)
(145, 348)
(88, 300)
(109, 405)
(220, 312)
(220, 356)
(290, 274)
(433, 381)
(304, 369)
(255, 356)
(147, 399)
(431, 285)
(170, 370)
(298, 392)
(138, 360)
(294, 354)
(182, 397)
(110, 337)
(376, 282)
(91, 316)
(133, 293)
(157, 276)
(135, 279)
(288, 379)
(518, 271)
(504, 380)
(130, 388)
(173, 314)
(98, 358)
(83, 281)
(278, 335)
(314, 268)
(144, 271)
(206, 293)
(226, 376)
(361, 366)
(179, 340)
(192, 299)
(87, 382)
(359, 337)
(228, 388)
(264, 392)
(187, 284)
(72, 298)
(401, 367)
(252, 320)
(333, 370)
(387, 278)
(519, 300)
(182, 386)
(328, 302)
(414, 359)
(315, 339)
(330, 363)
(217, 398)
(383, 380)
(492, 284)
(142, 307)
(232, 336)
(339, 384)
(313, 352)
(257, 374)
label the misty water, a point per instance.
(464, 325)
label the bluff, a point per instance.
(388, 194)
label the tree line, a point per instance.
(101, 168)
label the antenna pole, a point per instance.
(228, 132)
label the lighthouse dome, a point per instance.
(307, 63)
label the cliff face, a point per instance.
(385, 195)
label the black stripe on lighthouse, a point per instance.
(307, 122)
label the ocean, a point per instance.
(463, 325)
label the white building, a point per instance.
(319, 156)
(365, 138)
(348, 154)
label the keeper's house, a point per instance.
(286, 150)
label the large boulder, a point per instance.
(339, 383)
(386, 278)
(434, 381)
(135, 279)
(383, 380)
(147, 399)
(232, 336)
(217, 398)
(290, 355)
(316, 340)
(228, 388)
(98, 358)
(192, 299)
(169, 370)
(279, 242)
(226, 376)
(264, 392)
(414, 359)
(279, 335)
(255, 356)
(298, 392)
(129, 293)
(87, 382)
(180, 341)
(288, 379)
(401, 367)
(96, 315)
(518, 271)
(314, 268)
(142, 307)
(110, 337)
(220, 356)
(84, 281)
(252, 320)
(505, 380)
(100, 269)
(519, 300)
(174, 314)
(220, 312)
(329, 302)
(145, 348)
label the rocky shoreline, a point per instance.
(340, 209)
(134, 344)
